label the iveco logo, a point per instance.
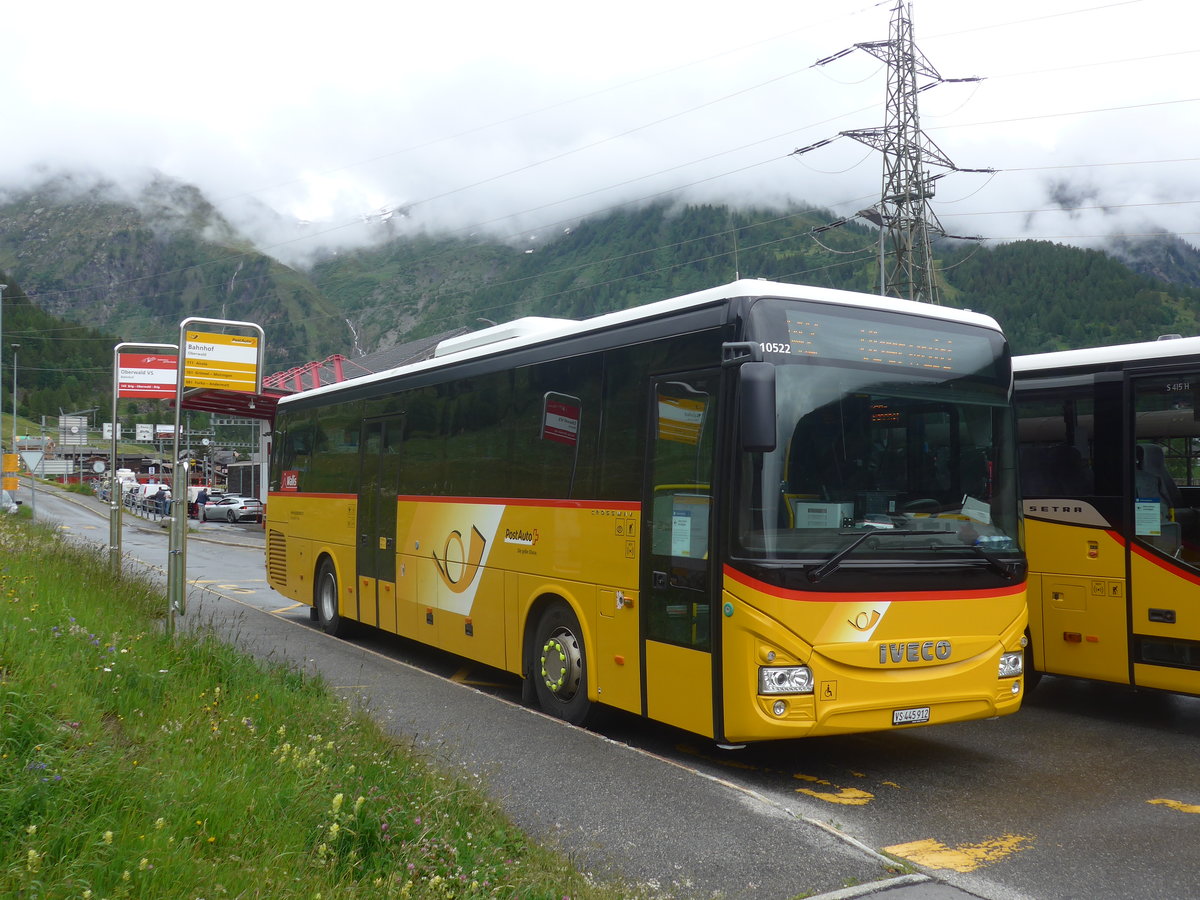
(913, 651)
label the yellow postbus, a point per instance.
(758, 511)
(1110, 478)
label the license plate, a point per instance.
(910, 716)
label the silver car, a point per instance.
(232, 508)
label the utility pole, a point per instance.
(904, 216)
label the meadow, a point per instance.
(134, 763)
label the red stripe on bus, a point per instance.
(1165, 564)
(890, 596)
(625, 505)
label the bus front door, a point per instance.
(679, 586)
(376, 527)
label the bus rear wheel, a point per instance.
(559, 665)
(325, 600)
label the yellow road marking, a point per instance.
(287, 608)
(843, 796)
(933, 854)
(1176, 805)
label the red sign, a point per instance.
(290, 480)
(150, 375)
(561, 422)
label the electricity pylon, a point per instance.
(904, 215)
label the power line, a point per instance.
(903, 214)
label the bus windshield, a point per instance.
(909, 434)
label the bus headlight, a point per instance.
(785, 680)
(1011, 664)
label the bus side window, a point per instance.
(1055, 433)
(1164, 463)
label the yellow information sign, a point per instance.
(12, 464)
(225, 362)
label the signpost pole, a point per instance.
(220, 361)
(114, 492)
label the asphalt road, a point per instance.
(1090, 791)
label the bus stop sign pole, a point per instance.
(150, 375)
(208, 360)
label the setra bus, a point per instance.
(1110, 478)
(754, 512)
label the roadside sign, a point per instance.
(560, 419)
(32, 460)
(10, 472)
(150, 375)
(224, 362)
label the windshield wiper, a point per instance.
(832, 564)
(1007, 568)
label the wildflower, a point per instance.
(31, 829)
(143, 865)
(125, 876)
(337, 803)
(33, 861)
(334, 829)
(108, 836)
(358, 804)
(159, 823)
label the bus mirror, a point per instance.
(757, 382)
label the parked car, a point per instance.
(232, 508)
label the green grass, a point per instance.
(135, 764)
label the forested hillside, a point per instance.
(1052, 297)
(1047, 296)
(63, 367)
(628, 257)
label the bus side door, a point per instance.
(381, 445)
(679, 584)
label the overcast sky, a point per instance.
(518, 118)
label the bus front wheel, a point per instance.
(325, 600)
(559, 665)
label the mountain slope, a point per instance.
(137, 266)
